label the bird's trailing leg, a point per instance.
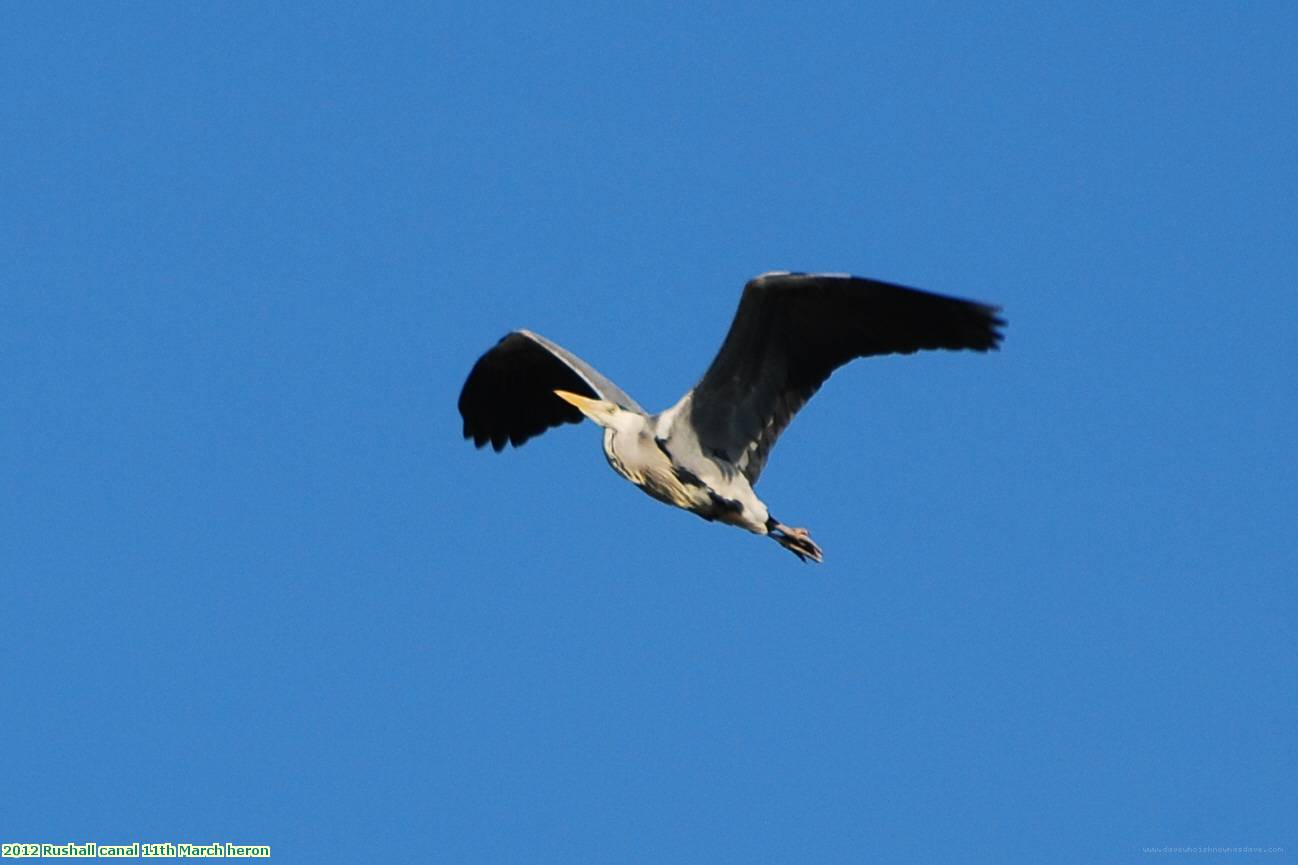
(796, 541)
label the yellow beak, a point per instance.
(584, 404)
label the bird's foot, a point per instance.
(796, 541)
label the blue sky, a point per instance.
(257, 588)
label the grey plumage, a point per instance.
(790, 332)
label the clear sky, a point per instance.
(256, 588)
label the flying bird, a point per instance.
(705, 453)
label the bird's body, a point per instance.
(664, 459)
(705, 453)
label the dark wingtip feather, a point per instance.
(508, 397)
(992, 325)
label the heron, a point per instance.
(705, 453)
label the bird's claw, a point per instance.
(797, 541)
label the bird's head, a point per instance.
(607, 414)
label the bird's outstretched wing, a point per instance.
(509, 394)
(793, 329)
